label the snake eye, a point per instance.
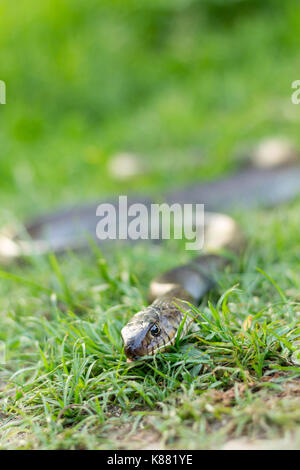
(154, 330)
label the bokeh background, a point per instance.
(183, 85)
(108, 97)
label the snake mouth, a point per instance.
(131, 354)
(147, 333)
(134, 353)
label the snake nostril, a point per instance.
(129, 352)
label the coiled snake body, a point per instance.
(156, 327)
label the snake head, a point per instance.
(150, 330)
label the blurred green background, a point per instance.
(185, 87)
(183, 84)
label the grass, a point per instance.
(183, 81)
(69, 380)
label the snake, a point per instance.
(173, 294)
(155, 328)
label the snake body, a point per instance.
(155, 327)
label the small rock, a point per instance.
(273, 152)
(124, 165)
(260, 444)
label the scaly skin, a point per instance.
(155, 328)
